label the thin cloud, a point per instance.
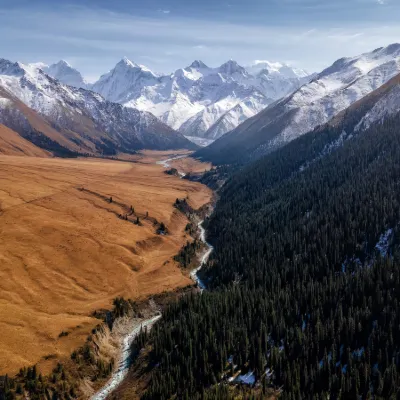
(97, 39)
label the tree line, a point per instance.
(304, 278)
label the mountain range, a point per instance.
(198, 101)
(245, 112)
(333, 90)
(68, 120)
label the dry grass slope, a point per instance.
(65, 253)
(12, 144)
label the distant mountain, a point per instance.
(65, 119)
(276, 68)
(333, 90)
(66, 74)
(199, 101)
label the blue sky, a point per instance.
(168, 34)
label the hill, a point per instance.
(12, 144)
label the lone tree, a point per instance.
(137, 221)
(111, 199)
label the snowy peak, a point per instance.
(63, 72)
(62, 64)
(198, 64)
(127, 65)
(39, 65)
(127, 62)
(125, 81)
(231, 67)
(262, 67)
(192, 99)
(10, 68)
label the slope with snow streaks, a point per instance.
(336, 88)
(93, 124)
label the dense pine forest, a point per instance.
(304, 279)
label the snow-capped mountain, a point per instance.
(77, 119)
(122, 83)
(63, 72)
(193, 99)
(333, 90)
(66, 74)
(276, 68)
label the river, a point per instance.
(125, 356)
(166, 163)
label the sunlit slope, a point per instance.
(11, 143)
(64, 252)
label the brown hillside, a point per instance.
(12, 144)
(65, 253)
(33, 121)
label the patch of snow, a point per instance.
(386, 106)
(359, 352)
(383, 245)
(269, 373)
(248, 379)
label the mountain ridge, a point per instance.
(315, 103)
(79, 120)
(194, 98)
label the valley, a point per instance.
(225, 232)
(66, 251)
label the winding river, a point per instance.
(125, 356)
(166, 163)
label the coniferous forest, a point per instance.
(304, 282)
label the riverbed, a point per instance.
(124, 363)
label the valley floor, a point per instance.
(65, 252)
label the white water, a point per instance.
(124, 363)
(204, 258)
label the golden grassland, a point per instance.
(190, 165)
(65, 253)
